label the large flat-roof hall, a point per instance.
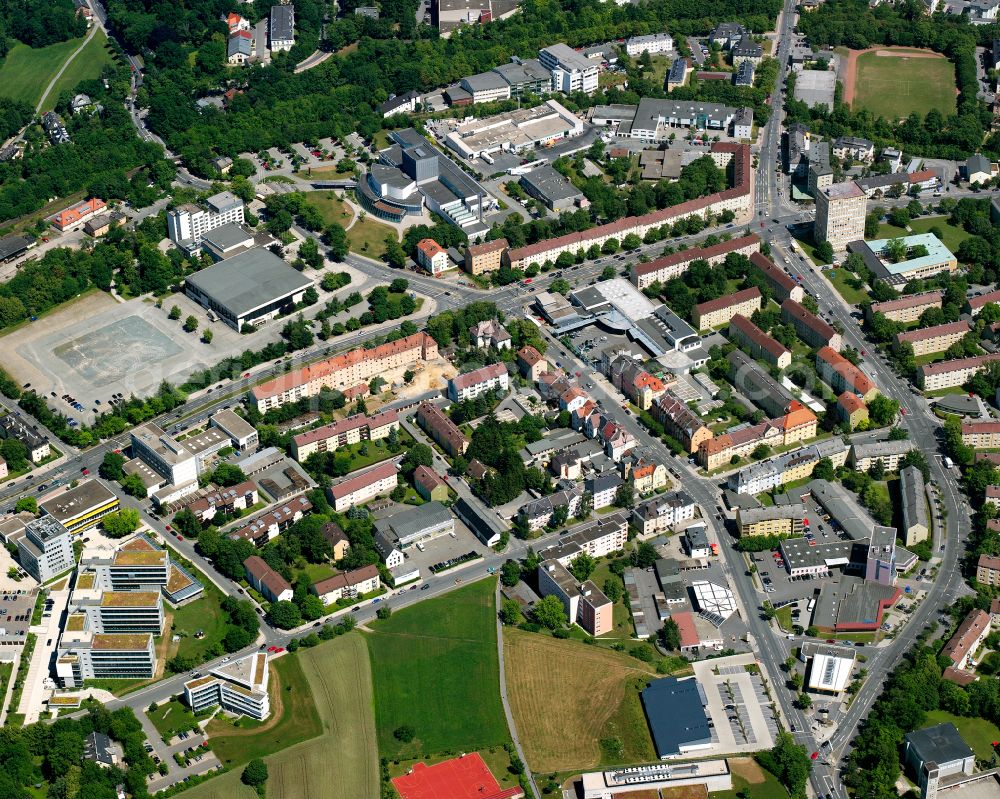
(248, 289)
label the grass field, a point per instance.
(171, 718)
(750, 781)
(205, 615)
(951, 235)
(294, 718)
(367, 237)
(897, 86)
(342, 763)
(86, 66)
(332, 209)
(977, 733)
(842, 281)
(26, 71)
(436, 670)
(558, 733)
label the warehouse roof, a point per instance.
(676, 713)
(247, 281)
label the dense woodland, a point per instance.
(38, 23)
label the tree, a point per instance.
(254, 773)
(645, 555)
(670, 635)
(26, 504)
(510, 612)
(133, 486)
(111, 466)
(805, 701)
(404, 733)
(582, 566)
(790, 763)
(882, 411)
(175, 313)
(559, 515)
(207, 335)
(384, 612)
(824, 470)
(335, 237)
(613, 589)
(190, 324)
(625, 495)
(549, 612)
(284, 614)
(120, 523)
(227, 475)
(824, 252)
(510, 573)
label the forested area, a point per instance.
(853, 24)
(38, 23)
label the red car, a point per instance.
(169, 528)
(85, 471)
(180, 537)
(246, 374)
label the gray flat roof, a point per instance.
(249, 280)
(12, 245)
(549, 183)
(676, 713)
(282, 22)
(940, 744)
(226, 236)
(413, 521)
(484, 81)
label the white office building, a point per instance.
(571, 71)
(187, 223)
(238, 687)
(45, 550)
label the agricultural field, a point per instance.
(897, 83)
(558, 735)
(437, 671)
(338, 676)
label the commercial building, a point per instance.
(842, 375)
(525, 76)
(86, 655)
(12, 247)
(76, 215)
(186, 224)
(248, 289)
(654, 44)
(352, 430)
(756, 384)
(828, 668)
(281, 31)
(937, 755)
(441, 429)
(348, 585)
(949, 374)
(266, 581)
(484, 258)
(675, 710)
(585, 604)
(888, 453)
(907, 308)
(545, 184)
(660, 270)
(655, 120)
(487, 87)
(756, 342)
(226, 241)
(239, 686)
(571, 71)
(44, 550)
(784, 520)
(664, 512)
(268, 526)
(513, 131)
(925, 257)
(364, 486)
(930, 340)
(840, 214)
(12, 426)
(809, 327)
(413, 526)
(344, 371)
(707, 775)
(242, 434)
(81, 508)
(714, 313)
(479, 381)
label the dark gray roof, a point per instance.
(675, 710)
(406, 524)
(226, 236)
(484, 81)
(13, 245)
(249, 280)
(282, 22)
(528, 71)
(547, 182)
(939, 744)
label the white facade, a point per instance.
(480, 381)
(571, 71)
(188, 223)
(652, 44)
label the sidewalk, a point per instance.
(35, 693)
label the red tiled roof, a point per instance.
(818, 326)
(352, 484)
(345, 579)
(855, 378)
(757, 336)
(266, 576)
(529, 355)
(980, 428)
(772, 272)
(966, 635)
(696, 253)
(491, 372)
(727, 301)
(487, 247)
(850, 402)
(909, 301)
(925, 333)
(429, 247)
(922, 175)
(427, 478)
(355, 422)
(943, 367)
(983, 299)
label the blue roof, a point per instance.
(676, 714)
(937, 253)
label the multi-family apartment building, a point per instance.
(631, 378)
(913, 495)
(281, 30)
(956, 372)
(928, 340)
(352, 430)
(646, 474)
(597, 538)
(681, 422)
(228, 500)
(889, 453)
(787, 467)
(851, 409)
(740, 443)
(269, 525)
(266, 581)
(432, 257)
(538, 513)
(470, 385)
(660, 270)
(187, 223)
(490, 333)
(585, 604)
(661, 513)
(531, 363)
(975, 304)
(571, 71)
(988, 570)
(859, 150)
(717, 312)
(907, 308)
(441, 429)
(364, 486)
(239, 686)
(784, 520)
(780, 283)
(981, 435)
(756, 384)
(347, 585)
(13, 427)
(45, 550)
(483, 258)
(344, 371)
(809, 327)
(756, 342)
(654, 43)
(840, 214)
(842, 375)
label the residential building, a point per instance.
(907, 308)
(842, 375)
(80, 508)
(484, 258)
(585, 604)
(981, 435)
(414, 526)
(531, 363)
(969, 636)
(858, 150)
(956, 372)
(281, 31)
(603, 487)
(352, 430)
(442, 429)
(809, 327)
(340, 544)
(571, 71)
(433, 257)
(786, 520)
(363, 486)
(756, 342)
(718, 312)
(647, 475)
(926, 256)
(914, 501)
(664, 512)
(629, 377)
(978, 169)
(490, 334)
(780, 283)
(266, 581)
(13, 426)
(744, 73)
(240, 48)
(681, 422)
(654, 44)
(851, 409)
(76, 215)
(755, 383)
(479, 381)
(597, 538)
(889, 453)
(55, 128)
(746, 50)
(344, 371)
(405, 103)
(930, 340)
(726, 34)
(988, 570)
(840, 214)
(975, 304)
(100, 749)
(45, 551)
(429, 484)
(660, 270)
(228, 500)
(86, 655)
(739, 443)
(239, 686)
(186, 224)
(274, 522)
(936, 754)
(541, 512)
(348, 585)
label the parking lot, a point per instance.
(737, 704)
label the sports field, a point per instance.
(896, 83)
(342, 763)
(436, 670)
(575, 706)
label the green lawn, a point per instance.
(784, 618)
(88, 65)
(378, 451)
(897, 86)
(367, 237)
(887, 231)
(436, 670)
(318, 571)
(758, 788)
(26, 72)
(842, 281)
(332, 209)
(171, 718)
(977, 733)
(951, 235)
(205, 615)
